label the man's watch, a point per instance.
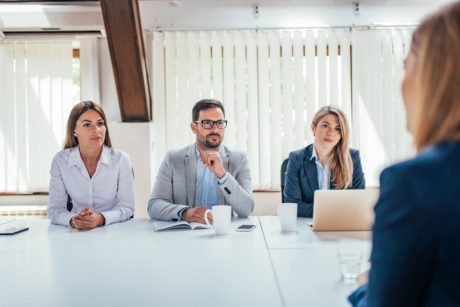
(180, 213)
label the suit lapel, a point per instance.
(190, 174)
(226, 162)
(310, 169)
(332, 185)
(224, 156)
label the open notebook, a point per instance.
(162, 225)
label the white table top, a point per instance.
(305, 237)
(306, 264)
(310, 277)
(128, 264)
(6, 220)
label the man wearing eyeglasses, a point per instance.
(201, 175)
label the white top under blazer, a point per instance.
(110, 191)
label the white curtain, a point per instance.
(90, 85)
(271, 83)
(379, 122)
(36, 90)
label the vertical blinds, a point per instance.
(36, 89)
(270, 82)
(379, 122)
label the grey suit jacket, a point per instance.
(174, 187)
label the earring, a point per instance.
(75, 135)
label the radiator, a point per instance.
(23, 211)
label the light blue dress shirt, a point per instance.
(324, 174)
(206, 191)
(110, 191)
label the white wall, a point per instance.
(109, 98)
(192, 14)
(281, 14)
(135, 139)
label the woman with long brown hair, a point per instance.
(91, 183)
(416, 242)
(328, 163)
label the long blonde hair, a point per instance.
(436, 47)
(77, 111)
(341, 163)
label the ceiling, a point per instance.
(218, 14)
(242, 2)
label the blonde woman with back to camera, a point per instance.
(416, 243)
(91, 183)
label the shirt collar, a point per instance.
(313, 154)
(197, 152)
(75, 157)
(105, 155)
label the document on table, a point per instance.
(162, 225)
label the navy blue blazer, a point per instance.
(416, 235)
(301, 179)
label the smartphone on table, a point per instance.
(245, 227)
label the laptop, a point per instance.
(344, 210)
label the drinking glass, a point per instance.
(350, 253)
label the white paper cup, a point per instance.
(287, 214)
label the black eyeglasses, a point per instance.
(208, 124)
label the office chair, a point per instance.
(69, 203)
(283, 175)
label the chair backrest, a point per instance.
(283, 175)
(69, 203)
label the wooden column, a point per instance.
(126, 45)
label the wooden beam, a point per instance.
(126, 45)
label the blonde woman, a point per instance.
(91, 183)
(328, 163)
(416, 242)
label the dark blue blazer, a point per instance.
(416, 236)
(301, 180)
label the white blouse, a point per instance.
(110, 191)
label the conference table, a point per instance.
(129, 264)
(306, 263)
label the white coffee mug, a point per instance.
(221, 218)
(287, 214)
